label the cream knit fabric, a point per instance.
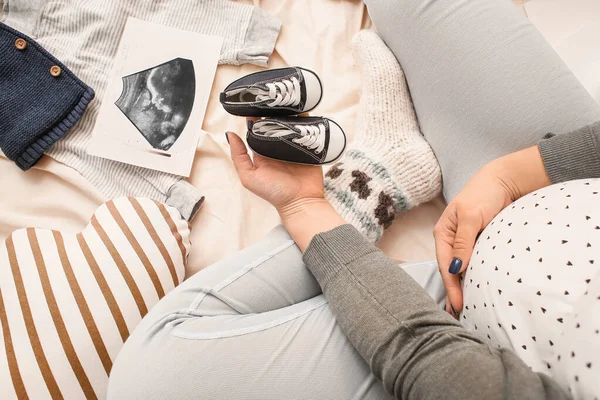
(389, 167)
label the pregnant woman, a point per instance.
(315, 311)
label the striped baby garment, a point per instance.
(85, 36)
(69, 302)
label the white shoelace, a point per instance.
(313, 136)
(284, 93)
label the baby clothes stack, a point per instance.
(85, 37)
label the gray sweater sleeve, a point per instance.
(574, 155)
(414, 347)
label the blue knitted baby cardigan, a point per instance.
(40, 99)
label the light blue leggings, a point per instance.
(255, 326)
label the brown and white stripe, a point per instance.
(68, 302)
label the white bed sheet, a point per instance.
(52, 195)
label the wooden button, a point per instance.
(20, 44)
(55, 70)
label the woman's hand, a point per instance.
(284, 185)
(493, 188)
(295, 190)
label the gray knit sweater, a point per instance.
(413, 346)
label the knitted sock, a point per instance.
(389, 167)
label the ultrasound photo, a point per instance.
(159, 101)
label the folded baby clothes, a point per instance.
(40, 99)
(85, 36)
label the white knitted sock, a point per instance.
(389, 167)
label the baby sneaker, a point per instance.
(273, 93)
(301, 140)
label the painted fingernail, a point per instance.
(227, 136)
(444, 306)
(455, 266)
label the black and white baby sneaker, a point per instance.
(301, 140)
(273, 93)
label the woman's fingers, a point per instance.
(444, 234)
(455, 235)
(469, 226)
(240, 157)
(443, 251)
